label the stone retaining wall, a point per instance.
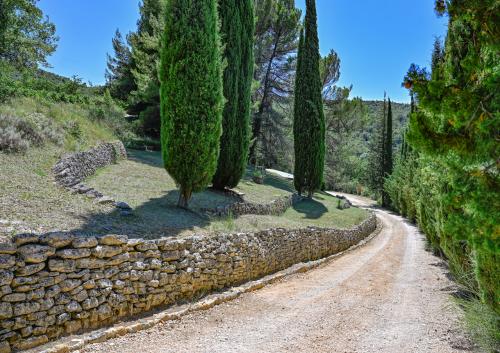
(275, 208)
(74, 168)
(57, 283)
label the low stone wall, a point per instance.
(74, 168)
(57, 283)
(275, 208)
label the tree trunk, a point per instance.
(184, 197)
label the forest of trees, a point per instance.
(350, 123)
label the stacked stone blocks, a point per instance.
(58, 283)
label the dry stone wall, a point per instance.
(72, 169)
(276, 207)
(58, 283)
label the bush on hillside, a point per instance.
(11, 140)
(107, 112)
(18, 134)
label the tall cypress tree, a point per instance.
(309, 119)
(388, 141)
(191, 94)
(387, 153)
(237, 28)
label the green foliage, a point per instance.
(148, 121)
(146, 45)
(191, 94)
(309, 119)
(60, 123)
(237, 29)
(26, 36)
(119, 78)
(454, 133)
(276, 41)
(40, 84)
(345, 160)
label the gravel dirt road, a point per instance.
(389, 295)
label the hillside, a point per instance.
(400, 113)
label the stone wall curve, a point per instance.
(73, 168)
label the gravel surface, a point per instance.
(390, 295)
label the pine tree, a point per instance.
(237, 27)
(276, 41)
(145, 45)
(191, 94)
(309, 120)
(119, 78)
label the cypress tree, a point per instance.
(387, 153)
(454, 129)
(237, 28)
(309, 120)
(388, 141)
(191, 94)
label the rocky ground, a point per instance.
(390, 295)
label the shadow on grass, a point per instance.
(310, 208)
(158, 217)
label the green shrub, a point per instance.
(73, 128)
(149, 121)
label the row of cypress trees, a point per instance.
(203, 138)
(381, 156)
(448, 177)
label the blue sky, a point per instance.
(376, 40)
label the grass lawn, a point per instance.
(273, 188)
(142, 182)
(29, 200)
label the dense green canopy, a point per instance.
(309, 119)
(452, 173)
(237, 30)
(191, 94)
